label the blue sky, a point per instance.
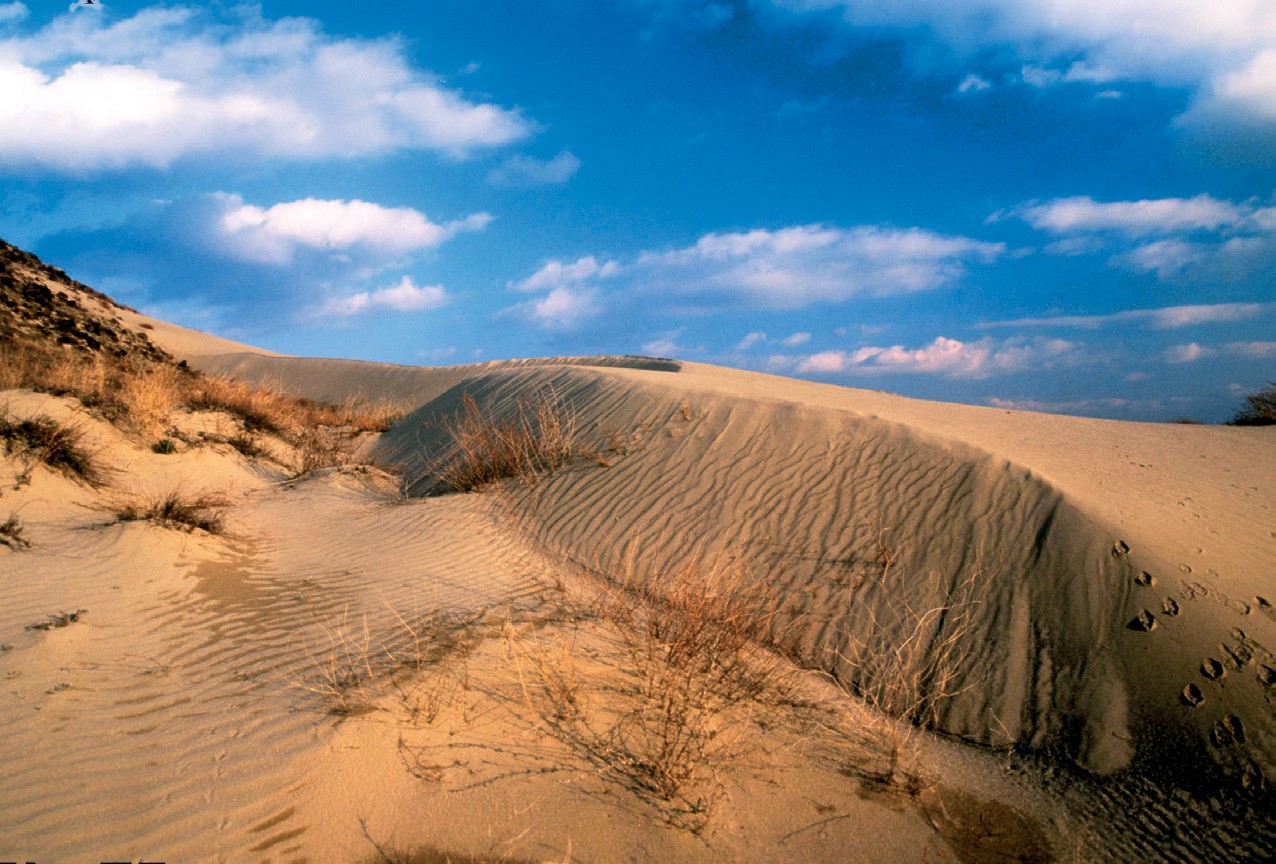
(1063, 206)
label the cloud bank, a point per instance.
(86, 94)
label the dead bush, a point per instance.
(12, 534)
(1259, 408)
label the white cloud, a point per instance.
(403, 297)
(1165, 318)
(1220, 48)
(796, 340)
(750, 339)
(664, 345)
(1258, 350)
(525, 172)
(1189, 353)
(12, 11)
(562, 309)
(1080, 406)
(973, 83)
(271, 235)
(1134, 218)
(794, 267)
(950, 357)
(555, 274)
(86, 94)
(1165, 258)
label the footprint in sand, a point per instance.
(1191, 696)
(1143, 622)
(1144, 580)
(1170, 606)
(1120, 548)
(1228, 731)
(1213, 669)
(1266, 675)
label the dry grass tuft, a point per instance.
(176, 510)
(149, 398)
(348, 670)
(44, 441)
(12, 534)
(538, 439)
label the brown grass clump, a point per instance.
(42, 440)
(11, 533)
(175, 509)
(149, 398)
(536, 440)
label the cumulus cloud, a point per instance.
(1165, 318)
(87, 93)
(1221, 48)
(1136, 218)
(563, 309)
(12, 11)
(527, 172)
(949, 357)
(790, 268)
(750, 339)
(1201, 237)
(796, 340)
(557, 274)
(271, 235)
(664, 345)
(1189, 353)
(403, 297)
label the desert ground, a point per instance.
(265, 608)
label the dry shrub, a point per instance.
(537, 439)
(258, 408)
(175, 509)
(691, 648)
(1259, 408)
(42, 440)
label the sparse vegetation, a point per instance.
(176, 510)
(1259, 408)
(907, 664)
(691, 650)
(12, 535)
(345, 672)
(60, 447)
(537, 439)
(143, 398)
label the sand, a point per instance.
(1090, 573)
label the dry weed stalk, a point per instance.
(690, 650)
(347, 671)
(149, 398)
(908, 662)
(538, 438)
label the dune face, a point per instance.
(814, 500)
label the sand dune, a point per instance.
(350, 667)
